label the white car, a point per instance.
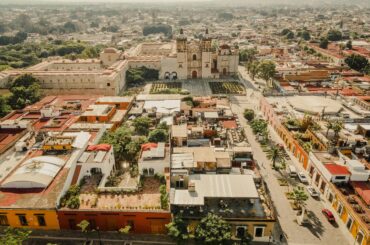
(312, 191)
(302, 177)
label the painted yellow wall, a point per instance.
(50, 216)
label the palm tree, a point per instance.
(329, 126)
(337, 127)
(274, 154)
(300, 196)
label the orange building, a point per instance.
(291, 143)
(139, 221)
(121, 103)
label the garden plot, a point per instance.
(227, 88)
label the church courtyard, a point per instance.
(195, 87)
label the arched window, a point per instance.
(194, 57)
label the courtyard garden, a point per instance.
(166, 88)
(227, 88)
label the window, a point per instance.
(258, 231)
(4, 220)
(180, 183)
(108, 84)
(349, 223)
(360, 238)
(194, 57)
(207, 65)
(180, 65)
(151, 171)
(92, 224)
(145, 171)
(22, 219)
(340, 209)
(41, 219)
(331, 198)
(340, 177)
(240, 231)
(72, 224)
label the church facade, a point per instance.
(199, 59)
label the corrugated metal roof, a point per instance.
(216, 186)
(36, 172)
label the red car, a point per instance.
(328, 214)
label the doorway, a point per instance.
(194, 74)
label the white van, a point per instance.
(292, 171)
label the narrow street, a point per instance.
(318, 230)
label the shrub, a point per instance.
(249, 114)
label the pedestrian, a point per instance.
(281, 237)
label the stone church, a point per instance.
(194, 59)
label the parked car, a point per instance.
(292, 171)
(302, 177)
(328, 214)
(312, 191)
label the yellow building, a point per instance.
(352, 219)
(30, 218)
(28, 195)
(58, 143)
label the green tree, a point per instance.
(306, 35)
(337, 127)
(142, 125)
(163, 125)
(258, 126)
(324, 43)
(266, 70)
(119, 139)
(349, 45)
(274, 154)
(212, 229)
(84, 226)
(25, 90)
(125, 230)
(253, 68)
(247, 55)
(4, 107)
(306, 123)
(158, 135)
(14, 236)
(157, 28)
(132, 149)
(249, 114)
(329, 126)
(299, 196)
(290, 35)
(334, 35)
(285, 31)
(164, 196)
(357, 62)
(225, 16)
(178, 230)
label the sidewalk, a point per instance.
(324, 202)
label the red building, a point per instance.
(140, 222)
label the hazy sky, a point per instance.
(365, 3)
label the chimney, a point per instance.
(191, 186)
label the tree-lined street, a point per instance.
(317, 230)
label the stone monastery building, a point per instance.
(180, 59)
